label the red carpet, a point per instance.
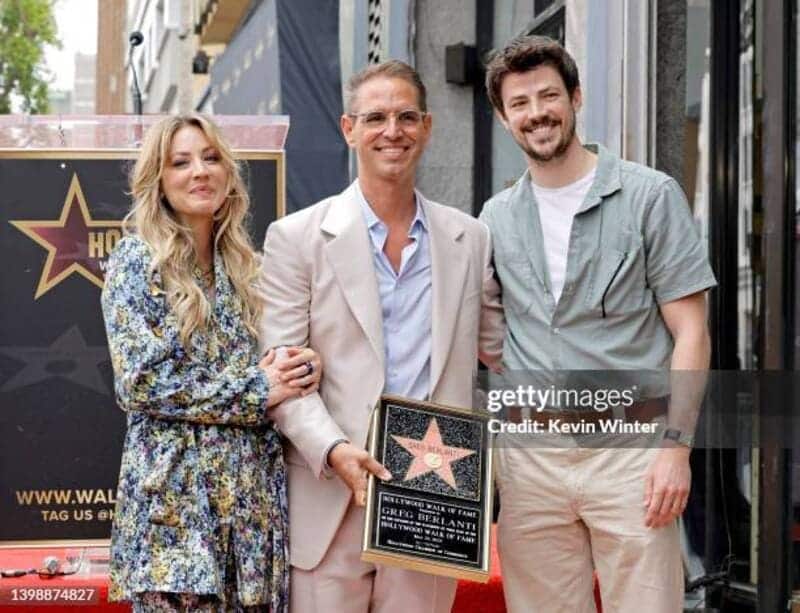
(471, 597)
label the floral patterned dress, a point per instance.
(201, 506)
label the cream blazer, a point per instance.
(321, 290)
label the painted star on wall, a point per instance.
(68, 357)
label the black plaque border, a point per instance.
(372, 552)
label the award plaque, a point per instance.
(435, 514)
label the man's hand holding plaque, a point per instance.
(352, 465)
(434, 515)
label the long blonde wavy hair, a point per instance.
(153, 219)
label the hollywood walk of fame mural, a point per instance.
(61, 432)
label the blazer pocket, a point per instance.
(167, 454)
(166, 509)
(166, 484)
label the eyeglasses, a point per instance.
(379, 120)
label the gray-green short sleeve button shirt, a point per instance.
(633, 246)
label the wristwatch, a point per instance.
(673, 434)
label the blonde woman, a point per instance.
(201, 520)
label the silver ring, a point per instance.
(309, 368)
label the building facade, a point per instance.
(83, 90)
(705, 90)
(112, 92)
(166, 63)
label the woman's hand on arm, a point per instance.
(302, 369)
(280, 388)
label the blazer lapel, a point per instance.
(349, 253)
(449, 265)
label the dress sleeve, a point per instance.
(152, 371)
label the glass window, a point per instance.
(508, 163)
(730, 478)
(794, 118)
(795, 466)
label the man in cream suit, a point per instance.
(394, 292)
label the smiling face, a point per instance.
(538, 112)
(388, 150)
(194, 179)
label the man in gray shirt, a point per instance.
(602, 269)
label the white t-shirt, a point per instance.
(557, 207)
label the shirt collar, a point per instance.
(372, 220)
(607, 173)
(606, 180)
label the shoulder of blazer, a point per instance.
(453, 217)
(303, 225)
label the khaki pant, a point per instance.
(343, 583)
(567, 511)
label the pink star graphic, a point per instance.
(67, 241)
(431, 454)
